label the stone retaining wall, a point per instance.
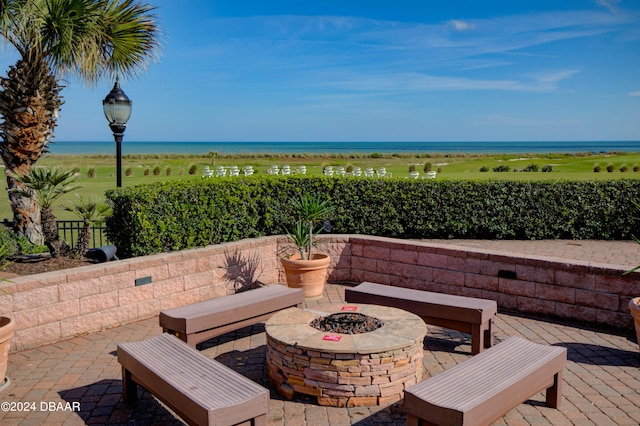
(57, 305)
(580, 290)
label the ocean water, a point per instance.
(343, 147)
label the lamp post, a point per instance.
(117, 110)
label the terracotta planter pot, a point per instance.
(634, 307)
(309, 275)
(6, 332)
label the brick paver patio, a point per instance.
(49, 383)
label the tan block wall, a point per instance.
(53, 306)
(582, 291)
(57, 305)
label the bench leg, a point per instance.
(488, 335)
(260, 420)
(412, 420)
(477, 339)
(129, 387)
(481, 337)
(554, 393)
(417, 421)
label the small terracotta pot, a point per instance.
(6, 332)
(634, 307)
(309, 275)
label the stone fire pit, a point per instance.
(363, 369)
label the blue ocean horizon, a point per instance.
(75, 148)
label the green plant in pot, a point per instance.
(634, 304)
(8, 248)
(305, 268)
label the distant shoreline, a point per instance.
(343, 148)
(363, 155)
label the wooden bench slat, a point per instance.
(465, 314)
(199, 389)
(483, 388)
(426, 303)
(201, 321)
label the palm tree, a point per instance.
(91, 211)
(47, 185)
(91, 39)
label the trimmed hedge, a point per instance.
(173, 216)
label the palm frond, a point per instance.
(89, 209)
(47, 183)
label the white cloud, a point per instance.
(459, 25)
(635, 93)
(414, 82)
(612, 5)
(514, 121)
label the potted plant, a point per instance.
(306, 269)
(7, 326)
(634, 304)
(8, 247)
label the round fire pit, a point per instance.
(347, 323)
(341, 367)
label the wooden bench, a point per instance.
(205, 320)
(483, 388)
(465, 314)
(200, 390)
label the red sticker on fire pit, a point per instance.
(332, 337)
(349, 308)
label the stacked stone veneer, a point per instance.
(344, 379)
(56, 305)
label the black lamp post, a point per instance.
(117, 109)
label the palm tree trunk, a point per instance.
(83, 240)
(57, 247)
(29, 104)
(26, 212)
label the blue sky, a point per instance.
(352, 70)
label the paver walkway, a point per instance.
(77, 381)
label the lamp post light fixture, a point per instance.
(117, 110)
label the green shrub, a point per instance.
(597, 168)
(8, 244)
(193, 169)
(636, 168)
(147, 172)
(484, 169)
(177, 215)
(169, 171)
(610, 168)
(624, 168)
(547, 169)
(501, 168)
(412, 168)
(157, 171)
(91, 173)
(26, 247)
(532, 168)
(128, 172)
(427, 167)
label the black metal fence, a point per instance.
(70, 229)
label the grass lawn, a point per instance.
(173, 167)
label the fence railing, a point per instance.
(69, 230)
